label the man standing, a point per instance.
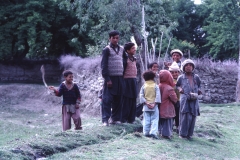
(112, 72)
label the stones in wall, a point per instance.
(29, 72)
(218, 81)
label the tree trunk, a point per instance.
(238, 82)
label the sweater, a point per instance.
(70, 96)
(169, 97)
(115, 61)
(131, 69)
(111, 63)
(150, 93)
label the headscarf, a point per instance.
(166, 77)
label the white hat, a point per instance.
(174, 67)
(176, 51)
(187, 61)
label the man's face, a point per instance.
(175, 74)
(176, 57)
(132, 50)
(114, 40)
(188, 68)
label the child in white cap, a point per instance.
(175, 71)
(176, 55)
(188, 85)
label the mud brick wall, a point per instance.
(29, 72)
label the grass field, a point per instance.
(30, 128)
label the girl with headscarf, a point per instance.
(188, 85)
(168, 99)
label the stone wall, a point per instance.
(29, 72)
(219, 79)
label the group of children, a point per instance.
(169, 96)
(173, 99)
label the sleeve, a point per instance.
(100, 93)
(60, 90)
(104, 64)
(158, 95)
(179, 81)
(172, 95)
(141, 95)
(125, 57)
(78, 94)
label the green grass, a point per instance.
(213, 140)
(27, 133)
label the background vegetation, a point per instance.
(32, 29)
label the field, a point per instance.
(30, 128)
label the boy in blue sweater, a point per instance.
(71, 99)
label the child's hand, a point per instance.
(167, 64)
(150, 105)
(109, 84)
(180, 90)
(77, 106)
(78, 103)
(51, 87)
(199, 92)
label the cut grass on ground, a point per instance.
(26, 134)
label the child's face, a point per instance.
(114, 40)
(132, 50)
(176, 57)
(188, 68)
(155, 68)
(69, 78)
(175, 74)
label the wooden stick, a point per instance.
(43, 76)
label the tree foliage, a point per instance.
(222, 27)
(99, 17)
(47, 29)
(36, 29)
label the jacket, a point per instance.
(169, 97)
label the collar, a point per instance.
(150, 82)
(132, 57)
(185, 76)
(112, 46)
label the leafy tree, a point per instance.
(37, 29)
(222, 27)
(189, 19)
(99, 17)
